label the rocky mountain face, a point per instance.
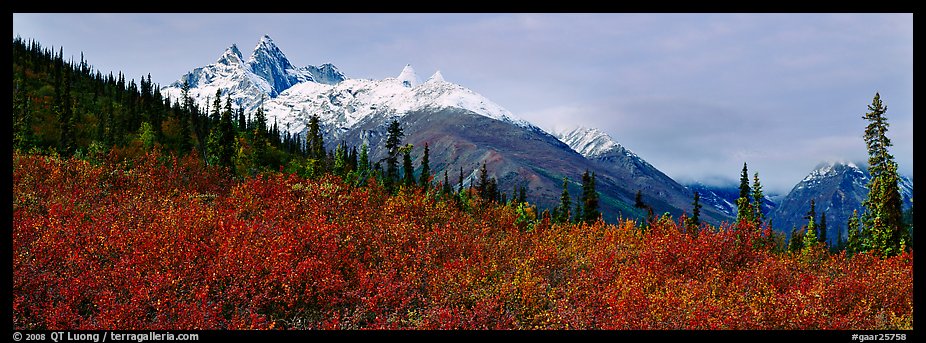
(461, 127)
(658, 190)
(837, 189)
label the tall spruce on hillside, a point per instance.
(314, 140)
(394, 136)
(408, 178)
(561, 213)
(589, 198)
(744, 207)
(425, 179)
(757, 199)
(694, 222)
(883, 229)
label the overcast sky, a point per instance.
(696, 95)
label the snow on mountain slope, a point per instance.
(290, 95)
(408, 77)
(838, 188)
(592, 142)
(347, 103)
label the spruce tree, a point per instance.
(425, 178)
(744, 182)
(446, 188)
(883, 219)
(810, 235)
(757, 198)
(66, 120)
(483, 186)
(565, 203)
(340, 159)
(363, 162)
(183, 117)
(222, 143)
(694, 222)
(409, 178)
(394, 136)
(259, 138)
(316, 144)
(589, 198)
(492, 191)
(744, 207)
(216, 114)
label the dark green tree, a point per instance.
(446, 189)
(409, 178)
(314, 140)
(425, 179)
(694, 222)
(565, 203)
(66, 118)
(216, 114)
(744, 206)
(883, 227)
(589, 198)
(363, 162)
(183, 118)
(483, 186)
(578, 215)
(340, 159)
(222, 142)
(757, 198)
(638, 200)
(522, 194)
(394, 136)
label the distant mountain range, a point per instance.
(837, 189)
(463, 129)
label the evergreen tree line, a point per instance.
(68, 108)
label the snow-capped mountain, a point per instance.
(658, 190)
(265, 74)
(837, 188)
(342, 106)
(462, 128)
(290, 94)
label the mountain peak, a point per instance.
(408, 77)
(231, 56)
(437, 77)
(833, 167)
(269, 63)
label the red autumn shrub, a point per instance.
(158, 242)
